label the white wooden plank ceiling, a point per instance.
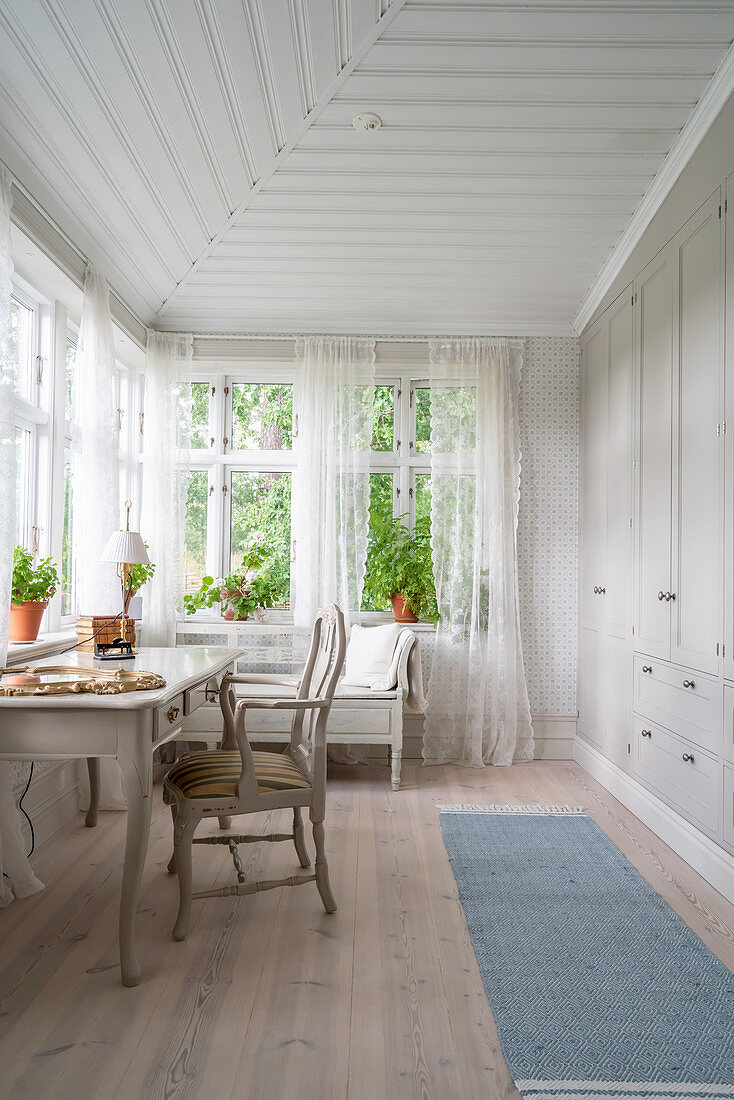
(202, 152)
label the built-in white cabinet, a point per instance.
(697, 520)
(656, 586)
(654, 301)
(679, 500)
(606, 524)
(728, 630)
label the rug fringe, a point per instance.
(494, 808)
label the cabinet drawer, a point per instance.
(692, 786)
(728, 832)
(729, 723)
(693, 712)
(168, 717)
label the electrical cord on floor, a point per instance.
(26, 816)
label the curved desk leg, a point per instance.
(136, 760)
(94, 780)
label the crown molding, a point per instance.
(704, 114)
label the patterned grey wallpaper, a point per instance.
(548, 522)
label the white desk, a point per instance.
(129, 727)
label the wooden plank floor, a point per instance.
(270, 998)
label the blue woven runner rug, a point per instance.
(598, 988)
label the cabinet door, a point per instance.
(618, 575)
(593, 475)
(592, 686)
(697, 446)
(728, 662)
(654, 350)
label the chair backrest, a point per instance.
(320, 674)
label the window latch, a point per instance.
(36, 533)
(295, 426)
(293, 550)
(39, 370)
(142, 422)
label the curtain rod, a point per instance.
(517, 341)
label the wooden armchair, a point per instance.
(235, 780)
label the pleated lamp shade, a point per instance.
(126, 547)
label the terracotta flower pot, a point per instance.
(229, 614)
(402, 613)
(25, 620)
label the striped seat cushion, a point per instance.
(214, 774)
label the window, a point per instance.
(242, 462)
(240, 487)
(22, 344)
(196, 530)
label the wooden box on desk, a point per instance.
(101, 628)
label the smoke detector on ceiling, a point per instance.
(366, 121)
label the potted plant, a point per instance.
(400, 569)
(137, 576)
(245, 591)
(32, 587)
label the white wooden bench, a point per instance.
(359, 716)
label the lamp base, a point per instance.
(116, 650)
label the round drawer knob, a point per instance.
(689, 683)
(661, 595)
(647, 733)
(647, 668)
(688, 757)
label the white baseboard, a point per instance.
(704, 855)
(52, 800)
(554, 735)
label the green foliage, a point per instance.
(199, 415)
(248, 587)
(422, 420)
(139, 575)
(383, 418)
(31, 582)
(399, 561)
(260, 507)
(262, 417)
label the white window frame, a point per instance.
(220, 461)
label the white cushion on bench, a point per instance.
(371, 656)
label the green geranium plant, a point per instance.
(399, 563)
(138, 575)
(247, 590)
(32, 583)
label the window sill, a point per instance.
(283, 619)
(44, 646)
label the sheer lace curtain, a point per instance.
(477, 708)
(167, 406)
(16, 877)
(95, 477)
(331, 483)
(96, 488)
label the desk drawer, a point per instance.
(683, 775)
(168, 717)
(202, 693)
(693, 712)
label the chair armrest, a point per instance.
(280, 704)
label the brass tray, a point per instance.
(72, 680)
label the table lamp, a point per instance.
(125, 548)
